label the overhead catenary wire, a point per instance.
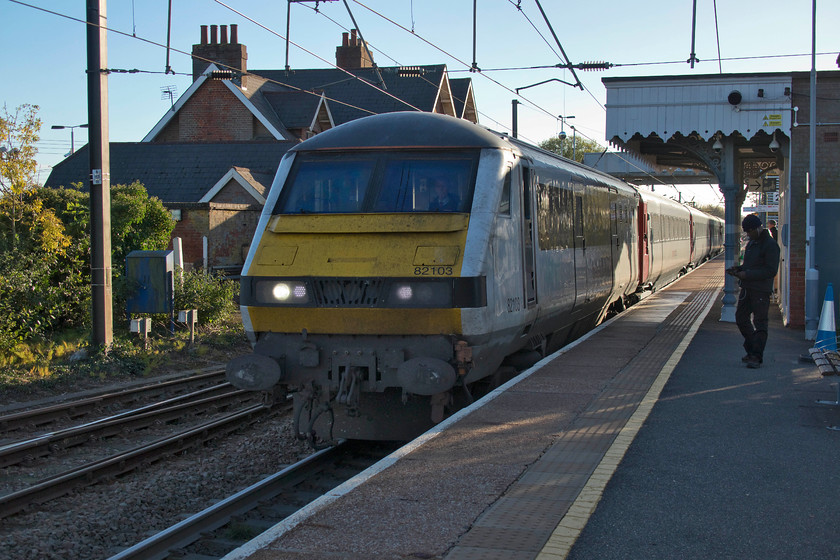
(322, 14)
(154, 43)
(529, 101)
(453, 57)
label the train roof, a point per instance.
(406, 129)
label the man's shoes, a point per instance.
(753, 362)
(745, 358)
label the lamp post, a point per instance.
(72, 139)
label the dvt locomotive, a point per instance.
(400, 258)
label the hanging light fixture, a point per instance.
(774, 144)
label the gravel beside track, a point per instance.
(101, 520)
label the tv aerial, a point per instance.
(169, 92)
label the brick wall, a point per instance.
(232, 228)
(828, 173)
(234, 193)
(192, 228)
(214, 114)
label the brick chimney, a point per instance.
(352, 52)
(228, 55)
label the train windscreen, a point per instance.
(380, 182)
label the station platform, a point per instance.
(648, 438)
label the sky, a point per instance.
(45, 53)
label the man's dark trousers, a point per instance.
(757, 304)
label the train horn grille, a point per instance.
(348, 292)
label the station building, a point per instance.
(746, 133)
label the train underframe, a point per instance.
(366, 387)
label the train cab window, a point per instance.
(423, 184)
(363, 182)
(330, 185)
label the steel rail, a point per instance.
(121, 463)
(74, 409)
(164, 411)
(191, 529)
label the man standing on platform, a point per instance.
(756, 273)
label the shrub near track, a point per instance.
(63, 362)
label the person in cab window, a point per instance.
(444, 197)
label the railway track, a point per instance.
(224, 409)
(202, 402)
(232, 522)
(78, 409)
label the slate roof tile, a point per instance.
(174, 172)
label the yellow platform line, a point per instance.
(568, 530)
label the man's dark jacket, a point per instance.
(761, 262)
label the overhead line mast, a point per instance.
(569, 64)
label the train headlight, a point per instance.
(420, 294)
(404, 292)
(281, 292)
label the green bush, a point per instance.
(213, 296)
(39, 293)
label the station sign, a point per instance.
(765, 208)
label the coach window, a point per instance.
(579, 217)
(504, 203)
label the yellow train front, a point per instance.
(400, 258)
(352, 291)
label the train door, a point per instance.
(692, 236)
(644, 244)
(528, 245)
(615, 243)
(581, 276)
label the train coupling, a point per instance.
(463, 356)
(253, 372)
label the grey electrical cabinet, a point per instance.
(151, 281)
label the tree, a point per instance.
(18, 135)
(45, 286)
(713, 209)
(571, 148)
(138, 221)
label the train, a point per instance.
(403, 260)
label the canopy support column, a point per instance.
(733, 196)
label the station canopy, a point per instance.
(679, 125)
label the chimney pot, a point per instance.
(214, 34)
(203, 34)
(224, 34)
(234, 35)
(353, 41)
(344, 40)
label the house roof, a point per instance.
(283, 99)
(462, 95)
(296, 109)
(175, 172)
(254, 183)
(350, 97)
